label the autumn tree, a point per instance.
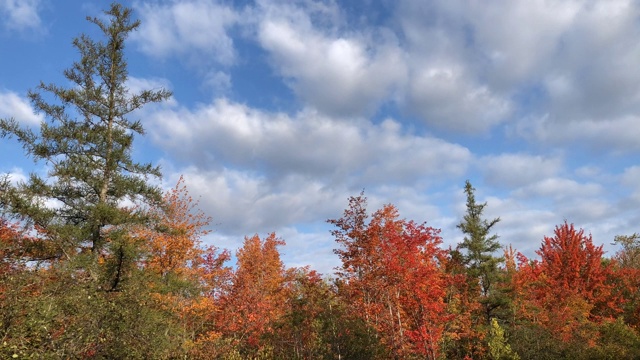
(174, 233)
(391, 275)
(12, 266)
(565, 297)
(629, 255)
(627, 268)
(257, 295)
(317, 323)
(185, 278)
(573, 266)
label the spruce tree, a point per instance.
(479, 249)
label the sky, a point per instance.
(282, 110)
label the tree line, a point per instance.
(97, 262)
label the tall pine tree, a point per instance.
(479, 247)
(86, 142)
(89, 296)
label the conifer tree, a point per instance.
(479, 248)
(86, 142)
(91, 297)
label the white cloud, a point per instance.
(515, 170)
(136, 85)
(308, 144)
(16, 175)
(579, 56)
(559, 189)
(631, 176)
(446, 98)
(347, 72)
(14, 106)
(194, 29)
(619, 134)
(243, 203)
(219, 81)
(519, 38)
(342, 75)
(594, 75)
(20, 15)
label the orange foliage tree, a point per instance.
(391, 274)
(627, 268)
(569, 287)
(173, 243)
(257, 296)
(192, 276)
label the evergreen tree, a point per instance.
(478, 255)
(86, 142)
(88, 296)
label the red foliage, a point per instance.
(570, 286)
(392, 275)
(258, 293)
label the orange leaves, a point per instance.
(572, 265)
(391, 275)
(9, 241)
(174, 242)
(569, 287)
(256, 298)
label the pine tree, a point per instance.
(479, 248)
(89, 296)
(86, 142)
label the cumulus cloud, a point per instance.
(560, 188)
(456, 65)
(631, 176)
(519, 39)
(446, 98)
(340, 74)
(243, 203)
(594, 74)
(136, 85)
(196, 30)
(16, 175)
(20, 15)
(577, 56)
(618, 134)
(14, 106)
(524, 229)
(258, 171)
(308, 144)
(516, 170)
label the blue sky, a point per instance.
(283, 109)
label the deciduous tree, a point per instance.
(391, 274)
(257, 296)
(569, 289)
